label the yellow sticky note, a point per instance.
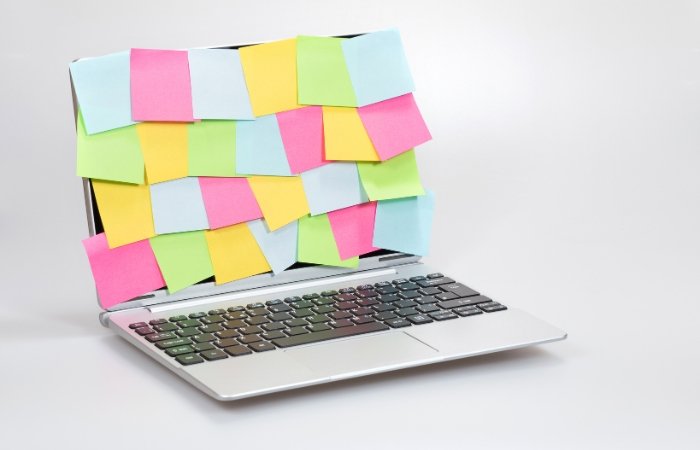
(281, 199)
(345, 136)
(164, 147)
(125, 210)
(235, 253)
(270, 72)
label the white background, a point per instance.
(565, 161)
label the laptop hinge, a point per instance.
(181, 304)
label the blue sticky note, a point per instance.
(333, 186)
(218, 87)
(404, 224)
(178, 206)
(103, 88)
(259, 148)
(378, 66)
(279, 246)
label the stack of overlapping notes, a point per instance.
(235, 162)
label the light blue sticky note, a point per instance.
(103, 88)
(404, 224)
(279, 246)
(333, 186)
(178, 206)
(259, 148)
(378, 66)
(218, 87)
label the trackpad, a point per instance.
(363, 353)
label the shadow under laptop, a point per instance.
(518, 359)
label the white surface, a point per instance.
(565, 164)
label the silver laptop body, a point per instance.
(235, 378)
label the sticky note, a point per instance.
(160, 86)
(378, 67)
(235, 253)
(404, 224)
(112, 155)
(333, 186)
(345, 136)
(302, 136)
(164, 148)
(183, 258)
(212, 148)
(394, 126)
(281, 199)
(259, 148)
(102, 87)
(317, 244)
(271, 76)
(218, 86)
(124, 272)
(279, 246)
(323, 77)
(178, 206)
(394, 178)
(353, 229)
(228, 201)
(125, 211)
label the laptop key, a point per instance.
(318, 318)
(212, 319)
(329, 293)
(202, 346)
(419, 319)
(296, 322)
(389, 298)
(303, 312)
(144, 331)
(213, 355)
(214, 327)
(226, 342)
(250, 330)
(257, 320)
(178, 318)
(324, 301)
(467, 311)
(272, 326)
(427, 308)
(282, 307)
(276, 301)
(362, 311)
(302, 304)
(346, 305)
(367, 294)
(468, 301)
(294, 331)
(249, 339)
(310, 296)
(386, 315)
(430, 291)
(435, 282)
(386, 290)
(443, 315)
(270, 335)
(187, 360)
(207, 337)
(217, 312)
(236, 315)
(426, 300)
(404, 312)
(323, 309)
(172, 343)
(262, 346)
(136, 325)
(345, 297)
(435, 275)
(418, 278)
(405, 304)
(189, 323)
(160, 336)
(408, 286)
(399, 322)
(227, 334)
(234, 324)
(409, 294)
(197, 315)
(492, 307)
(367, 302)
(346, 290)
(384, 307)
(459, 290)
(238, 350)
(337, 315)
(362, 319)
(188, 332)
(279, 317)
(180, 350)
(258, 311)
(400, 281)
(157, 321)
(341, 323)
(236, 309)
(446, 296)
(315, 327)
(330, 334)
(254, 305)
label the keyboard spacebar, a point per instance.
(329, 334)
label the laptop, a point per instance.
(316, 324)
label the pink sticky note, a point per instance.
(160, 86)
(122, 273)
(228, 201)
(394, 126)
(302, 137)
(353, 229)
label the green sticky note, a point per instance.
(212, 148)
(316, 243)
(113, 155)
(183, 258)
(322, 76)
(394, 178)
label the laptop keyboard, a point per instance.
(261, 327)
